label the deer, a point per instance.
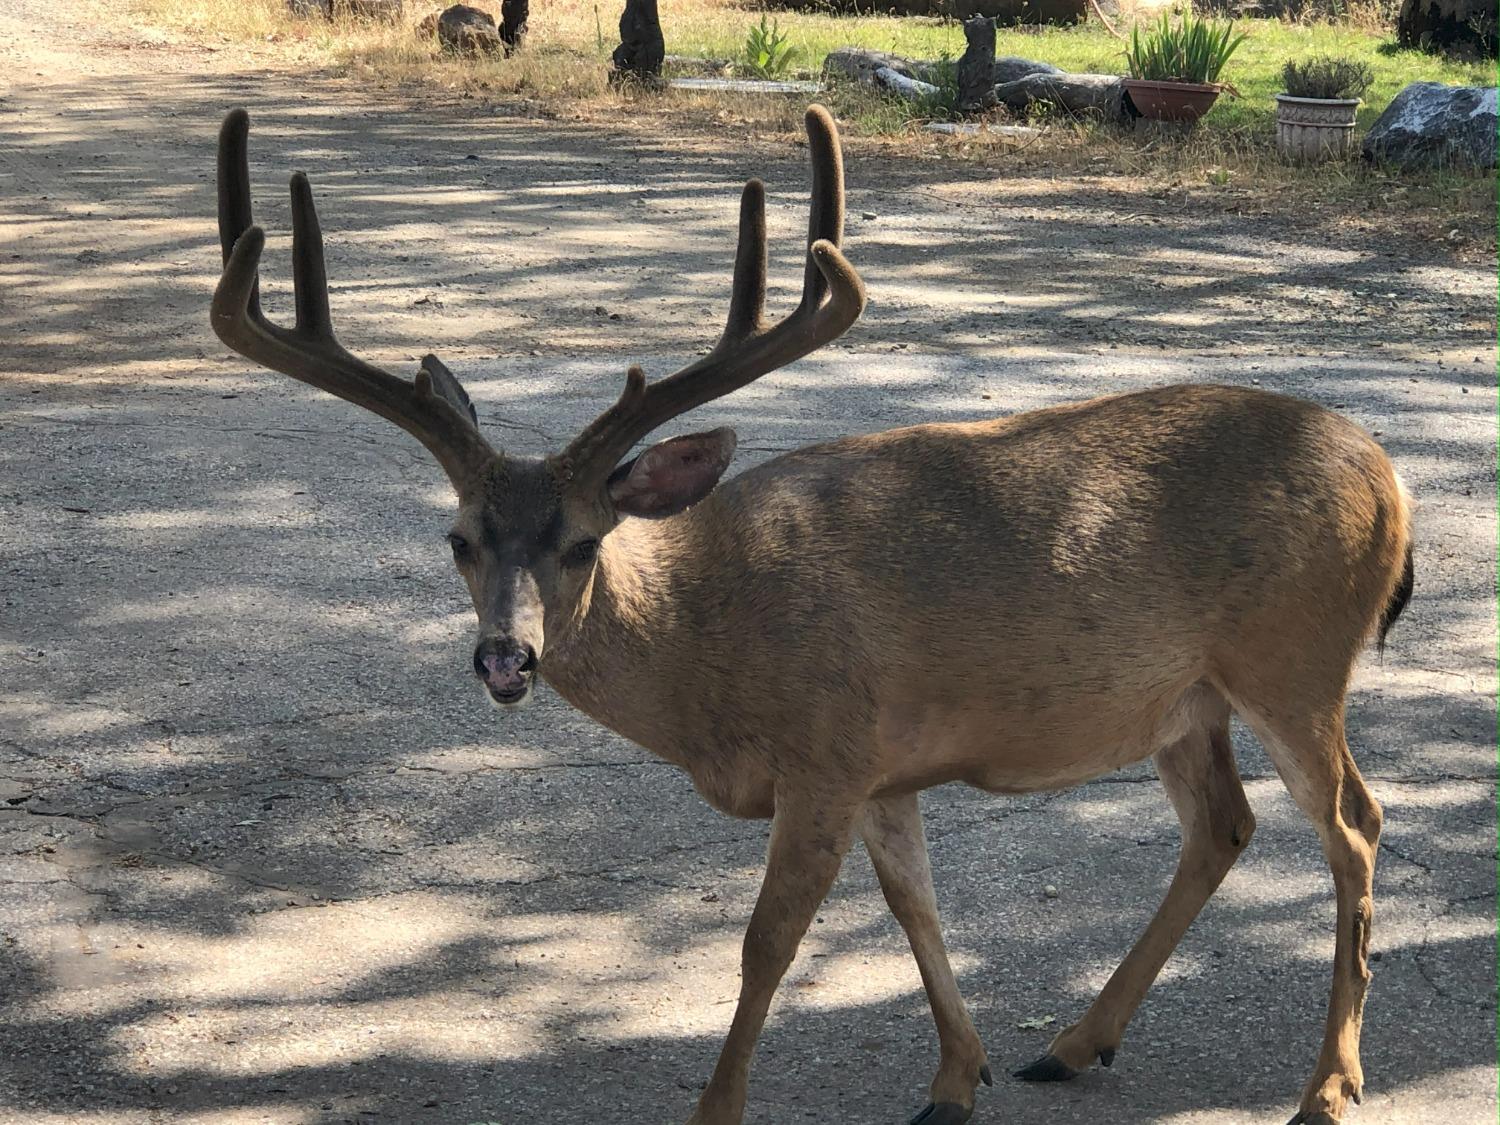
(1022, 603)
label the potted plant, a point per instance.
(1174, 67)
(1315, 117)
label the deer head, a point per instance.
(528, 530)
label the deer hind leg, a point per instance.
(809, 836)
(892, 831)
(1313, 760)
(1200, 778)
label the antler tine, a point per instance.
(833, 296)
(235, 216)
(309, 272)
(826, 218)
(747, 294)
(311, 352)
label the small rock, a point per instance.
(868, 216)
(1050, 891)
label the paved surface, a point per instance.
(265, 855)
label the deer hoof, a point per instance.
(943, 1113)
(1319, 1117)
(1048, 1068)
(1107, 1056)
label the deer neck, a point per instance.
(610, 664)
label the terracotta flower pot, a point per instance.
(1171, 101)
(1315, 129)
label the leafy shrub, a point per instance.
(1326, 77)
(767, 53)
(1191, 50)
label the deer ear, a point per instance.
(447, 387)
(671, 475)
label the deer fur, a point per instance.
(1020, 604)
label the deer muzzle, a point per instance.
(506, 668)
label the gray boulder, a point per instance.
(1429, 125)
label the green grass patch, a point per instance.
(1255, 69)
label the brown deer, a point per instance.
(1020, 604)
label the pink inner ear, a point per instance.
(673, 475)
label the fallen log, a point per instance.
(912, 89)
(861, 65)
(1081, 95)
(1025, 83)
(889, 73)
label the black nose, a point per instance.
(503, 664)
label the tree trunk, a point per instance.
(976, 69)
(642, 48)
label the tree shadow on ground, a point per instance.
(263, 852)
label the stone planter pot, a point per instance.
(1315, 129)
(1171, 101)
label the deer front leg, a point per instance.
(809, 836)
(892, 831)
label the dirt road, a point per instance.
(266, 856)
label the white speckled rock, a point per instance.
(1429, 124)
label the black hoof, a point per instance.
(1048, 1068)
(943, 1113)
(1319, 1118)
(1107, 1056)
(985, 1076)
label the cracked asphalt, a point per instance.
(265, 855)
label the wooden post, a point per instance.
(976, 69)
(642, 48)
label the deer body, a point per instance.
(1020, 604)
(1052, 596)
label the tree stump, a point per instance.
(976, 68)
(642, 48)
(513, 15)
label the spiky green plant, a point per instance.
(1188, 50)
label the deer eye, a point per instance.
(581, 553)
(459, 544)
